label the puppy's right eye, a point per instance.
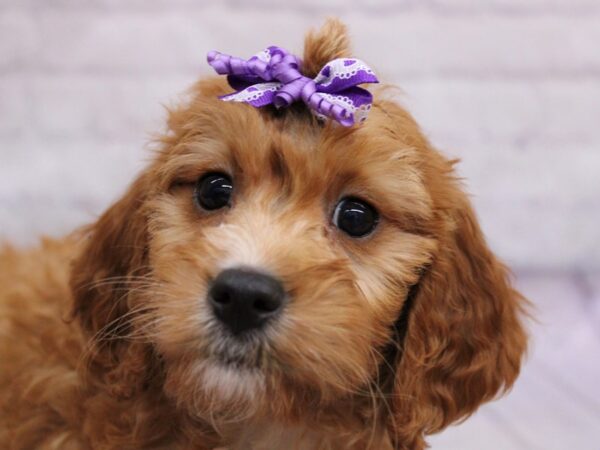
(213, 191)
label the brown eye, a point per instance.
(355, 217)
(213, 191)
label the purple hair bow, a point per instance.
(273, 77)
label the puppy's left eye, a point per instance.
(355, 217)
(214, 190)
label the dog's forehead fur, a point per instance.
(300, 158)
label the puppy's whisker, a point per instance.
(118, 278)
(377, 357)
(95, 343)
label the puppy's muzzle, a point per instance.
(244, 300)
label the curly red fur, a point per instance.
(106, 342)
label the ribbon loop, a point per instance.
(274, 77)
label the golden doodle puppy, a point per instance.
(272, 280)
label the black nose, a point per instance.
(243, 299)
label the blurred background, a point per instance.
(510, 86)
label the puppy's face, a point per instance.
(264, 264)
(283, 251)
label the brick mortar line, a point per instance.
(583, 12)
(145, 139)
(537, 76)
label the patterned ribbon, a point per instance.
(273, 77)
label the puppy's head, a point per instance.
(267, 264)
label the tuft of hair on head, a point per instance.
(329, 42)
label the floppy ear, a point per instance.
(465, 339)
(329, 42)
(115, 251)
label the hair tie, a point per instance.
(274, 76)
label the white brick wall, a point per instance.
(510, 86)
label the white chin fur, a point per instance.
(229, 382)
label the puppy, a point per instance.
(269, 281)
